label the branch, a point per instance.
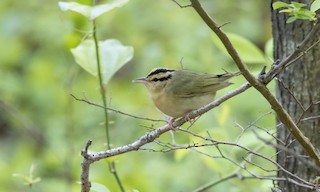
(287, 150)
(85, 183)
(90, 157)
(212, 184)
(294, 178)
(242, 177)
(152, 135)
(241, 166)
(259, 84)
(181, 6)
(114, 110)
(298, 52)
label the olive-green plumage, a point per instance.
(178, 92)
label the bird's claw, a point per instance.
(170, 123)
(187, 117)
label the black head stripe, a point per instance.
(162, 78)
(160, 70)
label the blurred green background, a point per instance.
(43, 129)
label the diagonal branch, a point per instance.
(258, 84)
(152, 135)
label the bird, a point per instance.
(177, 92)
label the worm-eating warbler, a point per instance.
(178, 92)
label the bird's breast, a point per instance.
(175, 106)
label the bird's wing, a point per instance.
(189, 84)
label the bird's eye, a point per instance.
(162, 78)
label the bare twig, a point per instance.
(181, 63)
(289, 151)
(291, 93)
(224, 24)
(85, 183)
(249, 151)
(244, 129)
(116, 111)
(211, 142)
(181, 6)
(311, 118)
(242, 177)
(305, 110)
(212, 184)
(278, 66)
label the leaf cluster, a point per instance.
(297, 10)
(112, 54)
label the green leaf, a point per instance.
(285, 11)
(97, 187)
(291, 19)
(279, 4)
(315, 6)
(298, 5)
(306, 15)
(113, 55)
(28, 179)
(91, 12)
(248, 52)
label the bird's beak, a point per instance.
(139, 80)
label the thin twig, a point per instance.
(116, 111)
(85, 165)
(305, 110)
(248, 150)
(296, 180)
(210, 185)
(291, 93)
(289, 151)
(298, 52)
(311, 118)
(104, 100)
(181, 6)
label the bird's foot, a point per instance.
(170, 123)
(187, 117)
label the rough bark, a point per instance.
(297, 89)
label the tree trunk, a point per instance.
(298, 87)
